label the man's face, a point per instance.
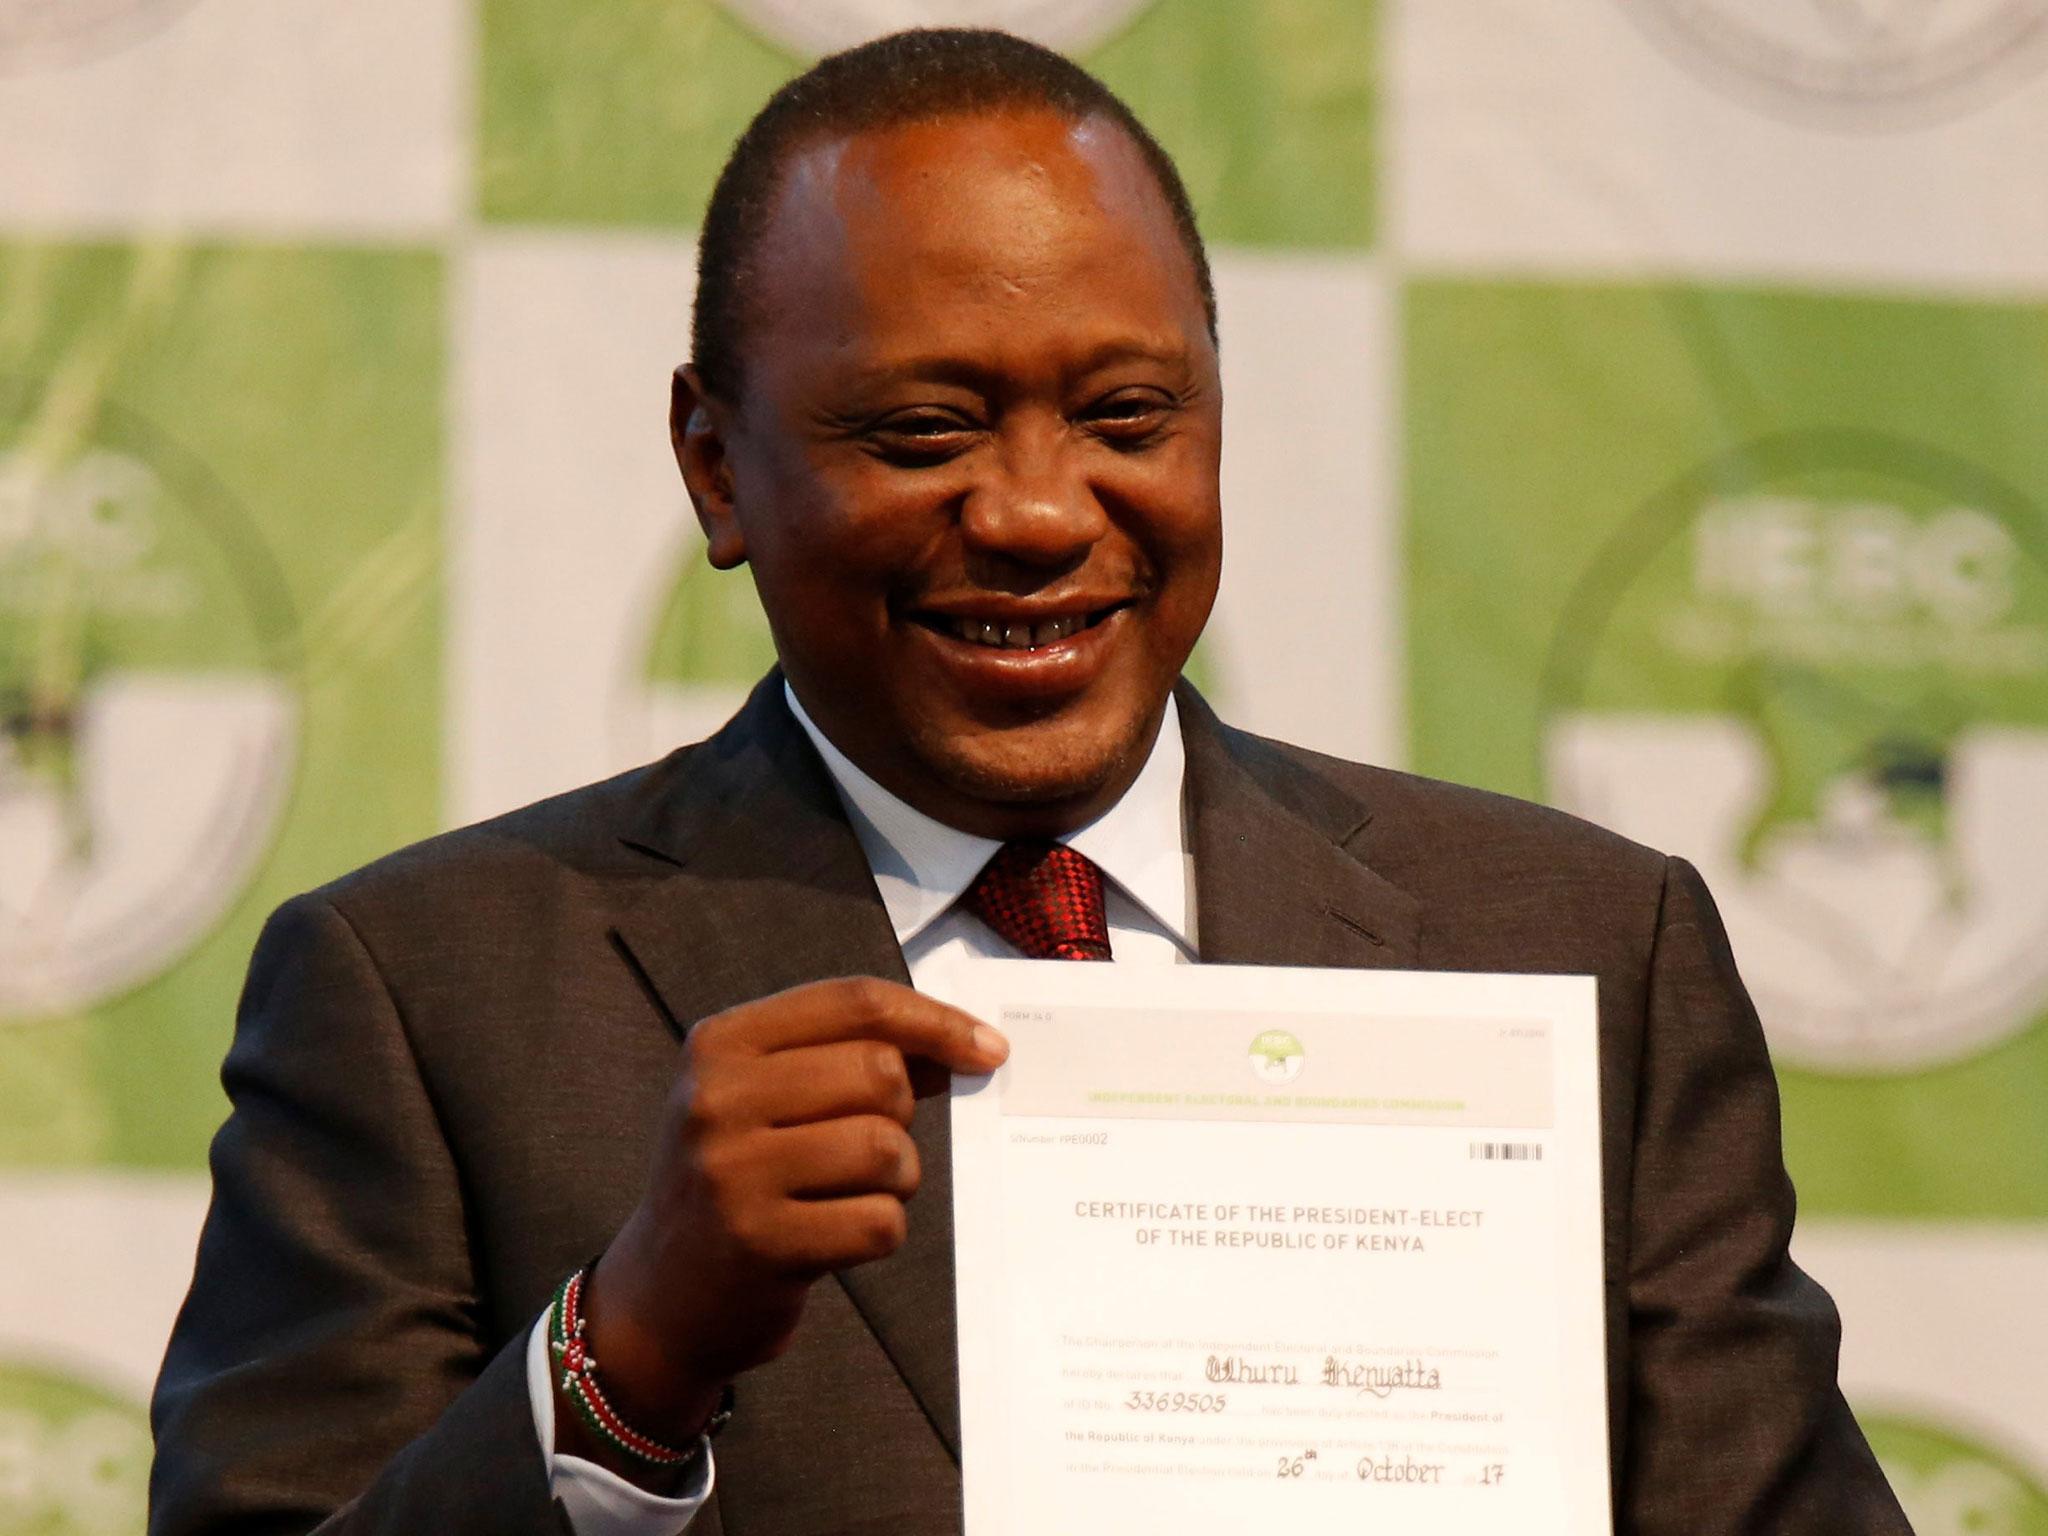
(974, 461)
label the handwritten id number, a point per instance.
(1176, 1402)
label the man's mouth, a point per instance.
(1014, 634)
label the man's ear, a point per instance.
(699, 427)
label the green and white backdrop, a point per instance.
(1640, 405)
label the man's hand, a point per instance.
(785, 1155)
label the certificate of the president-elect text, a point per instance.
(1250, 1248)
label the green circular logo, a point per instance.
(1950, 1486)
(149, 704)
(1275, 1056)
(1818, 667)
(74, 1459)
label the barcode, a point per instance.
(1508, 1151)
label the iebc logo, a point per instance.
(149, 711)
(1818, 667)
(1275, 1056)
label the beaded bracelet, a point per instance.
(566, 1325)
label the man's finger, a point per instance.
(827, 1082)
(859, 1155)
(856, 1008)
(811, 1237)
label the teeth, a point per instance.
(1017, 636)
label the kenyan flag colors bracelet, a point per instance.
(579, 1384)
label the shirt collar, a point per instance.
(921, 866)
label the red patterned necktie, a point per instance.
(1044, 899)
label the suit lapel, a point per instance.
(767, 888)
(1275, 880)
(766, 885)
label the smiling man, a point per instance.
(955, 404)
(971, 456)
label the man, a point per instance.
(955, 402)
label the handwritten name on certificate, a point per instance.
(1252, 1248)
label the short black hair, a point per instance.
(922, 75)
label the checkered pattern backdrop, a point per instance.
(1636, 404)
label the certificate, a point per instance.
(1257, 1248)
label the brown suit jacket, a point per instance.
(448, 1067)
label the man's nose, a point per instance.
(1035, 505)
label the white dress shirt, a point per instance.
(922, 867)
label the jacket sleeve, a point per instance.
(1736, 1424)
(328, 1364)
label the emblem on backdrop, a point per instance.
(824, 26)
(1857, 63)
(149, 718)
(1818, 668)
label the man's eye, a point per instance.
(1130, 420)
(921, 438)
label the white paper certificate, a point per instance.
(1247, 1248)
